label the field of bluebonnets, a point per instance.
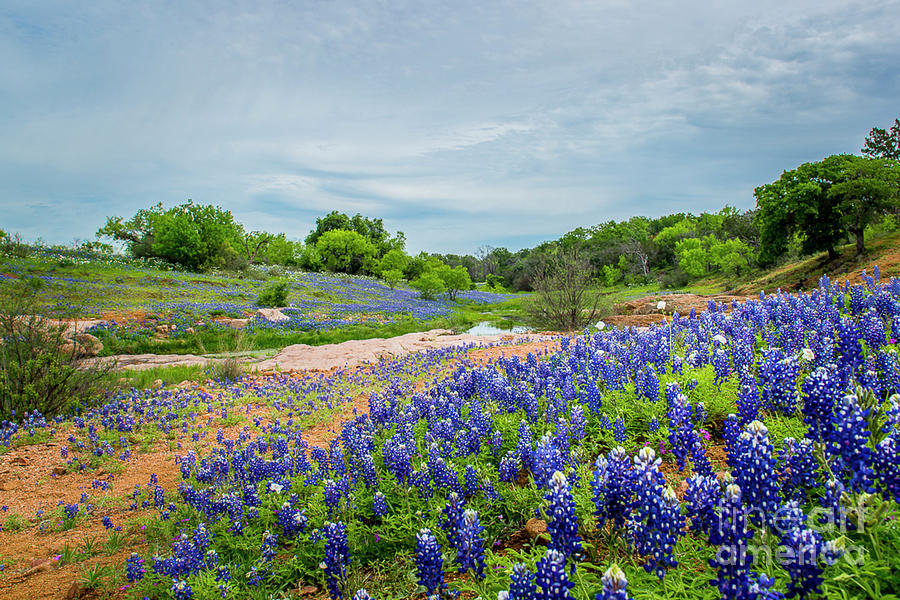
(137, 296)
(747, 452)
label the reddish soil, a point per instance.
(28, 484)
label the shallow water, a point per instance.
(485, 328)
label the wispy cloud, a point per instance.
(461, 124)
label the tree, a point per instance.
(562, 298)
(884, 144)
(429, 284)
(346, 251)
(394, 260)
(693, 256)
(192, 235)
(371, 229)
(731, 256)
(392, 277)
(455, 279)
(868, 189)
(798, 204)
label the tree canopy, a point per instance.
(821, 202)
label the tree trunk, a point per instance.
(831, 253)
(860, 241)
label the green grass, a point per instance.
(168, 375)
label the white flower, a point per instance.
(719, 338)
(807, 354)
(275, 487)
(661, 305)
(600, 325)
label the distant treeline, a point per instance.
(811, 208)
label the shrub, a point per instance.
(12, 245)
(430, 286)
(274, 294)
(562, 298)
(229, 370)
(39, 368)
(392, 277)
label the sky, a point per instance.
(459, 123)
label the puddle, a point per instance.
(485, 328)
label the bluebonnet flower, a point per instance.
(429, 563)
(521, 584)
(849, 444)
(379, 505)
(551, 580)
(886, 465)
(134, 569)
(181, 590)
(470, 552)
(337, 558)
(508, 469)
(613, 487)
(547, 460)
(619, 431)
(754, 467)
(733, 558)
(332, 495)
(805, 551)
(702, 496)
(748, 403)
(562, 524)
(451, 519)
(821, 391)
(614, 585)
(362, 594)
(778, 376)
(799, 468)
(656, 522)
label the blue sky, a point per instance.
(460, 123)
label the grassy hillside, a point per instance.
(138, 299)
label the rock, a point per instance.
(189, 330)
(68, 348)
(10, 485)
(535, 527)
(272, 314)
(88, 344)
(157, 383)
(75, 591)
(185, 385)
(42, 567)
(307, 590)
(59, 471)
(19, 460)
(162, 330)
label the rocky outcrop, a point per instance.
(301, 357)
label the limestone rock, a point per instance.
(535, 527)
(272, 314)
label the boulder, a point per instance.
(272, 314)
(88, 345)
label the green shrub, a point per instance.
(231, 369)
(39, 368)
(430, 285)
(392, 277)
(274, 294)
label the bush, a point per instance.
(562, 298)
(12, 245)
(229, 370)
(274, 294)
(430, 286)
(39, 368)
(392, 277)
